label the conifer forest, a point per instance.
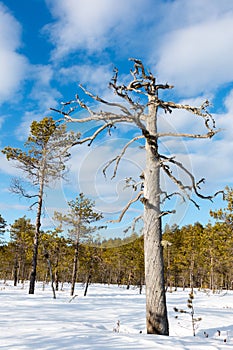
(195, 256)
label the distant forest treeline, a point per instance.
(194, 256)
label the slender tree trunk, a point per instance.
(16, 268)
(212, 287)
(129, 280)
(75, 267)
(140, 285)
(88, 280)
(191, 273)
(56, 274)
(51, 277)
(46, 255)
(36, 241)
(156, 310)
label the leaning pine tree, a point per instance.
(143, 113)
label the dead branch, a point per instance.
(17, 188)
(194, 185)
(94, 135)
(101, 116)
(33, 204)
(128, 205)
(169, 196)
(199, 111)
(118, 158)
(101, 100)
(122, 91)
(209, 135)
(163, 213)
(130, 182)
(133, 225)
(143, 80)
(75, 296)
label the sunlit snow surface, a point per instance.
(40, 322)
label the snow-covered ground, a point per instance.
(40, 322)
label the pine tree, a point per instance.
(21, 234)
(80, 215)
(42, 161)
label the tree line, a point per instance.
(111, 261)
(195, 256)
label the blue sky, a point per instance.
(48, 47)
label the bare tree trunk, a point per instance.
(212, 287)
(46, 255)
(88, 280)
(156, 310)
(16, 269)
(191, 273)
(75, 267)
(34, 264)
(56, 279)
(129, 280)
(36, 241)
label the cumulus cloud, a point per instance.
(8, 167)
(13, 66)
(188, 39)
(98, 76)
(23, 129)
(210, 158)
(42, 92)
(94, 26)
(199, 56)
(86, 174)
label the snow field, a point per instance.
(40, 322)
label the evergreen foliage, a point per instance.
(42, 160)
(195, 256)
(80, 216)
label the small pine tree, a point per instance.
(190, 312)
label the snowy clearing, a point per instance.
(40, 322)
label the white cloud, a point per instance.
(191, 40)
(22, 131)
(42, 92)
(86, 174)
(8, 167)
(199, 56)
(210, 159)
(95, 25)
(98, 76)
(13, 66)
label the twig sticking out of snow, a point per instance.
(76, 295)
(117, 327)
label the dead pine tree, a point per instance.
(140, 106)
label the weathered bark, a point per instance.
(156, 310)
